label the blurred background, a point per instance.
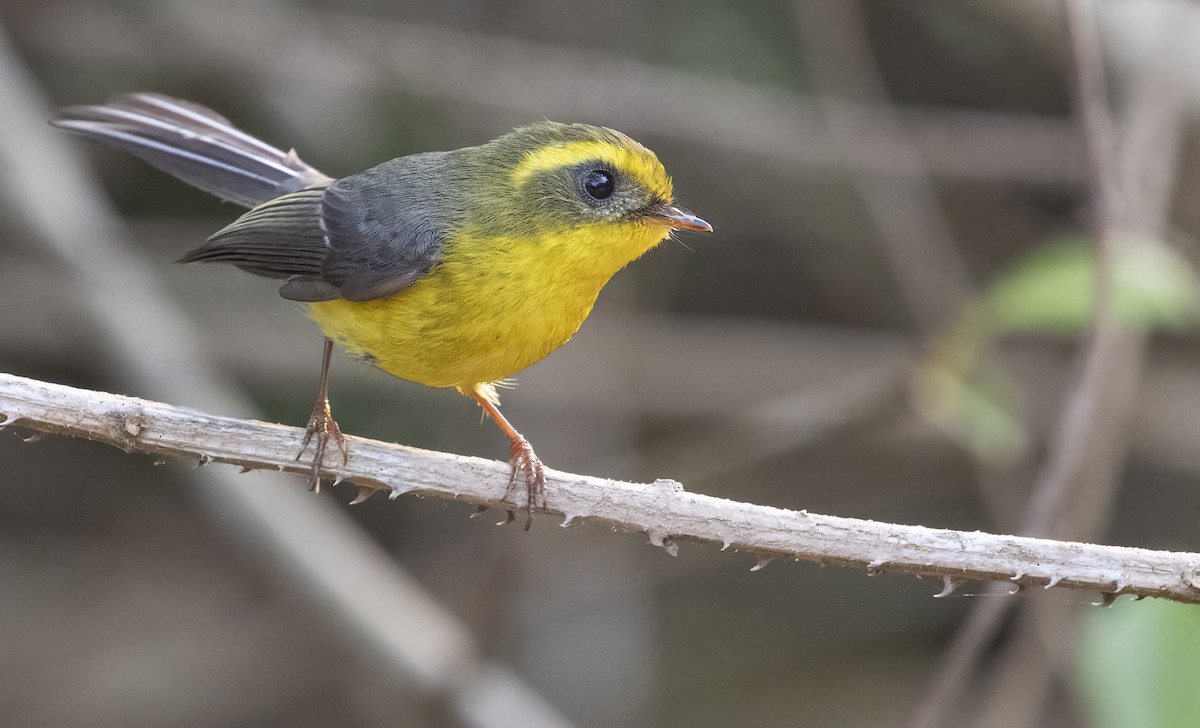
(888, 323)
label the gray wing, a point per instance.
(280, 238)
(360, 238)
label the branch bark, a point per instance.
(662, 509)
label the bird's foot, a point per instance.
(524, 460)
(322, 428)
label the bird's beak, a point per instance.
(680, 219)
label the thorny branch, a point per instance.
(662, 509)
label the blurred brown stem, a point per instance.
(356, 50)
(408, 637)
(905, 208)
(1088, 448)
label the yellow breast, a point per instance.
(491, 307)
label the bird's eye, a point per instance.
(598, 184)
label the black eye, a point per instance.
(598, 184)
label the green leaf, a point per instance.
(1139, 665)
(1048, 291)
(1051, 289)
(979, 411)
(1155, 288)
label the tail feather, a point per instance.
(195, 144)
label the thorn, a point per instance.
(35, 437)
(133, 425)
(725, 545)
(1053, 582)
(673, 486)
(663, 541)
(244, 469)
(508, 518)
(6, 421)
(1106, 599)
(397, 491)
(363, 493)
(949, 584)
(762, 562)
(479, 511)
(1016, 577)
(568, 518)
(337, 479)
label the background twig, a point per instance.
(1088, 447)
(526, 77)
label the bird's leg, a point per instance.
(521, 458)
(321, 425)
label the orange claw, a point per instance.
(521, 457)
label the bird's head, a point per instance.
(581, 177)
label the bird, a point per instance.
(454, 269)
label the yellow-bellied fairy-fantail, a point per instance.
(452, 269)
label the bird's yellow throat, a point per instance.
(491, 307)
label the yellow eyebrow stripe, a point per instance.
(647, 170)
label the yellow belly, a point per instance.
(490, 308)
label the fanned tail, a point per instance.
(193, 143)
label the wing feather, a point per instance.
(360, 238)
(280, 238)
